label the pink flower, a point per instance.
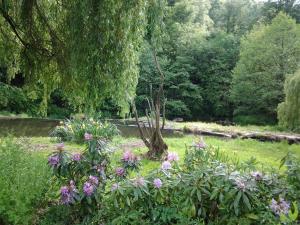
(88, 136)
(53, 160)
(93, 180)
(172, 156)
(76, 157)
(166, 165)
(128, 156)
(88, 188)
(120, 171)
(139, 182)
(157, 183)
(60, 146)
(115, 186)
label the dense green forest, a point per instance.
(222, 59)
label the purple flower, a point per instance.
(88, 188)
(257, 175)
(76, 157)
(120, 171)
(241, 185)
(93, 180)
(280, 207)
(128, 156)
(53, 160)
(172, 156)
(67, 193)
(115, 186)
(157, 183)
(139, 182)
(60, 146)
(88, 136)
(166, 165)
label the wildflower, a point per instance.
(257, 175)
(120, 171)
(115, 186)
(76, 157)
(172, 156)
(53, 160)
(60, 146)
(88, 188)
(88, 136)
(157, 183)
(139, 182)
(280, 207)
(166, 165)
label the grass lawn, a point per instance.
(267, 154)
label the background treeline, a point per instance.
(222, 60)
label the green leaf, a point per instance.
(236, 202)
(246, 201)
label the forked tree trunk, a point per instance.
(155, 143)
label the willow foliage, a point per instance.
(88, 48)
(289, 110)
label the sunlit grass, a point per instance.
(267, 154)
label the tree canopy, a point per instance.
(88, 48)
(267, 55)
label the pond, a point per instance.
(35, 127)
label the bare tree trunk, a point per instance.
(155, 143)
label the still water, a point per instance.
(34, 127)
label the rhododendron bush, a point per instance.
(76, 130)
(207, 188)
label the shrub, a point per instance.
(207, 189)
(23, 179)
(74, 130)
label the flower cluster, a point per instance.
(139, 182)
(257, 175)
(157, 183)
(280, 207)
(130, 160)
(53, 160)
(88, 136)
(115, 186)
(120, 172)
(166, 165)
(76, 157)
(91, 185)
(172, 156)
(67, 193)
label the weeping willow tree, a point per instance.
(289, 110)
(88, 48)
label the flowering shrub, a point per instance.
(206, 189)
(82, 177)
(77, 129)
